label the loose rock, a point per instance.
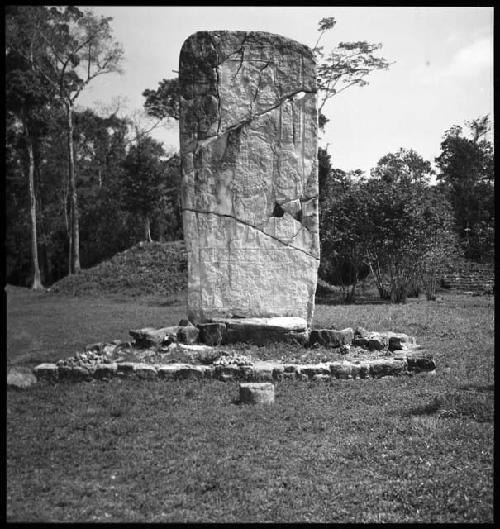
(257, 393)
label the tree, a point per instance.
(344, 236)
(405, 165)
(144, 182)
(100, 149)
(78, 47)
(164, 101)
(466, 174)
(27, 97)
(348, 64)
(409, 224)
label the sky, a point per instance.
(442, 71)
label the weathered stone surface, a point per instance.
(145, 371)
(188, 334)
(313, 369)
(20, 380)
(150, 337)
(126, 369)
(264, 330)
(360, 332)
(331, 337)
(74, 373)
(169, 371)
(386, 367)
(373, 341)
(212, 333)
(230, 372)
(248, 127)
(341, 370)
(105, 370)
(400, 341)
(419, 361)
(321, 378)
(257, 393)
(46, 372)
(263, 372)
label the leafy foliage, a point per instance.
(466, 174)
(348, 64)
(393, 224)
(164, 101)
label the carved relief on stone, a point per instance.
(248, 128)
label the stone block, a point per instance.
(190, 373)
(360, 332)
(331, 337)
(74, 373)
(169, 371)
(145, 371)
(211, 333)
(372, 341)
(321, 378)
(313, 369)
(48, 372)
(150, 337)
(230, 372)
(105, 371)
(257, 393)
(341, 370)
(400, 341)
(386, 367)
(125, 369)
(420, 361)
(261, 331)
(263, 374)
(364, 370)
(20, 380)
(188, 334)
(278, 371)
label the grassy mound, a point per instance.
(154, 268)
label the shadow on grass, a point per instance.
(167, 303)
(426, 409)
(478, 388)
(477, 405)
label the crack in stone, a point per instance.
(217, 85)
(260, 79)
(252, 117)
(241, 51)
(255, 228)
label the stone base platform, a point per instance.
(171, 354)
(259, 371)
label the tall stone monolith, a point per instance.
(248, 136)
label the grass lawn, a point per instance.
(403, 449)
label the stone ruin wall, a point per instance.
(248, 136)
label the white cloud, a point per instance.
(472, 59)
(468, 62)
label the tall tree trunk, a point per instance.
(67, 223)
(31, 177)
(147, 228)
(75, 230)
(351, 296)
